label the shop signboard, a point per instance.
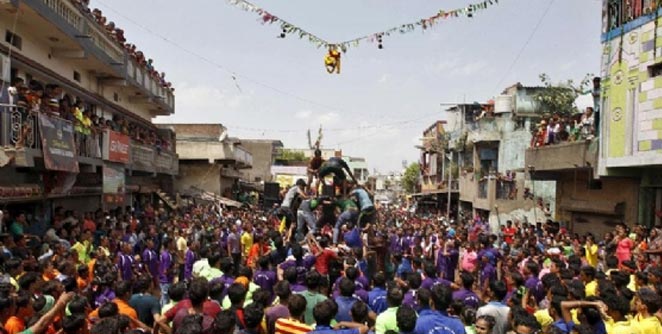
(114, 181)
(116, 147)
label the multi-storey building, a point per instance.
(77, 105)
(614, 177)
(489, 141)
(209, 160)
(438, 171)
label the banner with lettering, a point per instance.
(57, 143)
(116, 147)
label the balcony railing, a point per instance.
(242, 156)
(87, 27)
(141, 77)
(18, 128)
(483, 186)
(506, 190)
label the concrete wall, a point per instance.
(263, 154)
(199, 174)
(596, 210)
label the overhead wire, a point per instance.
(526, 44)
(233, 74)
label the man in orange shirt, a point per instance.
(122, 292)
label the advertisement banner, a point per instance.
(142, 157)
(113, 179)
(57, 143)
(116, 147)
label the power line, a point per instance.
(233, 75)
(358, 128)
(521, 51)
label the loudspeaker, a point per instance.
(271, 190)
(328, 190)
(268, 204)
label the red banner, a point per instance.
(116, 147)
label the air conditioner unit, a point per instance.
(5, 67)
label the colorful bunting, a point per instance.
(425, 23)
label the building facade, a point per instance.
(209, 160)
(75, 120)
(264, 152)
(489, 141)
(631, 114)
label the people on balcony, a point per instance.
(557, 129)
(117, 34)
(51, 99)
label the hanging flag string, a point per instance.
(423, 24)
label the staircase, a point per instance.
(166, 199)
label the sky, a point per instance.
(383, 99)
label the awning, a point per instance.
(231, 203)
(434, 192)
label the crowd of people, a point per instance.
(35, 97)
(117, 35)
(322, 264)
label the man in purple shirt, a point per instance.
(227, 279)
(166, 272)
(532, 283)
(465, 294)
(151, 259)
(125, 262)
(283, 292)
(431, 278)
(291, 276)
(189, 260)
(264, 277)
(414, 282)
(487, 273)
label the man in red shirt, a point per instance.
(509, 233)
(323, 254)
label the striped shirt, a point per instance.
(291, 326)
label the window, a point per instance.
(116, 97)
(13, 39)
(655, 70)
(76, 76)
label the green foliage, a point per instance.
(560, 98)
(410, 178)
(289, 155)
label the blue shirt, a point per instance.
(377, 300)
(329, 330)
(565, 327)
(435, 322)
(364, 198)
(345, 308)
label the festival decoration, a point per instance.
(425, 23)
(332, 60)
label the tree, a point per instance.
(410, 177)
(560, 98)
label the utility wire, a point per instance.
(233, 75)
(526, 44)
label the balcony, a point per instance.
(544, 161)
(149, 89)
(243, 158)
(148, 159)
(78, 26)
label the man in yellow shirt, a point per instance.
(246, 240)
(646, 303)
(83, 247)
(587, 275)
(591, 252)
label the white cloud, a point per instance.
(205, 104)
(384, 78)
(303, 114)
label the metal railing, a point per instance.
(18, 128)
(506, 190)
(483, 185)
(87, 26)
